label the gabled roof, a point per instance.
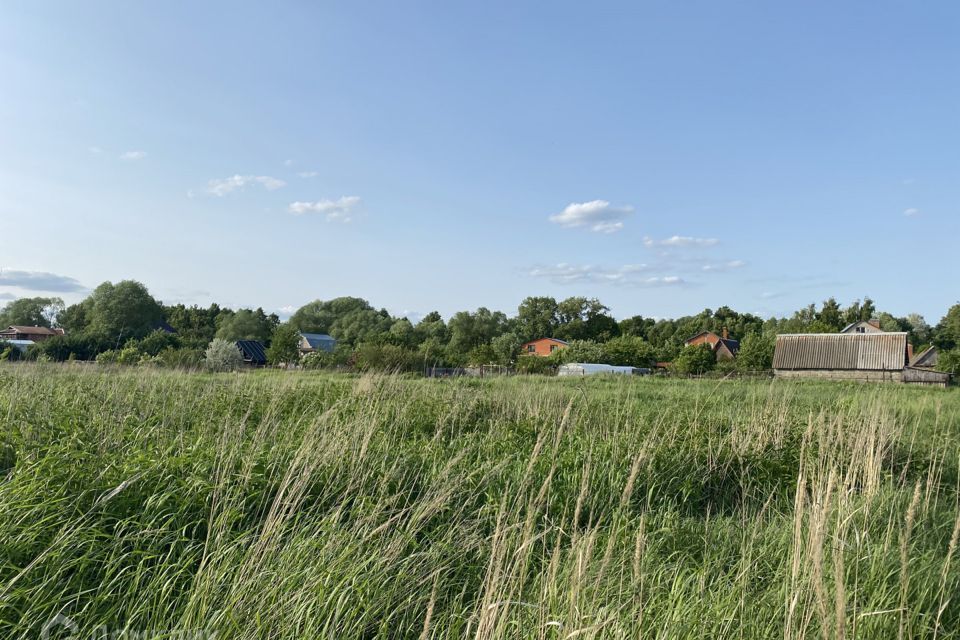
(253, 351)
(841, 351)
(36, 331)
(702, 333)
(318, 340)
(557, 340)
(927, 358)
(872, 322)
(732, 345)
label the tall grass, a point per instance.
(278, 505)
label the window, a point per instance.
(531, 348)
(861, 330)
(553, 348)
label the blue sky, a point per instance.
(663, 157)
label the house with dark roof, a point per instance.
(542, 347)
(254, 353)
(723, 346)
(36, 334)
(310, 342)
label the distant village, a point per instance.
(861, 351)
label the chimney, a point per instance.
(726, 334)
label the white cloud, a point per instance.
(339, 210)
(39, 281)
(308, 174)
(681, 241)
(131, 156)
(288, 163)
(599, 215)
(725, 266)
(632, 275)
(233, 183)
(911, 212)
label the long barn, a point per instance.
(841, 356)
(874, 357)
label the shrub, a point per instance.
(756, 352)
(535, 364)
(222, 355)
(386, 357)
(697, 359)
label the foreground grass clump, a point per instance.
(274, 505)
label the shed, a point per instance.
(253, 352)
(927, 359)
(843, 356)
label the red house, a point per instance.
(723, 346)
(542, 347)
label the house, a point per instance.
(868, 356)
(723, 346)
(254, 353)
(542, 347)
(37, 334)
(310, 342)
(864, 326)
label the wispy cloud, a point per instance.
(237, 182)
(132, 156)
(724, 266)
(597, 215)
(339, 210)
(7, 296)
(681, 241)
(308, 174)
(39, 281)
(636, 275)
(911, 212)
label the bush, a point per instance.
(697, 359)
(536, 364)
(222, 355)
(386, 357)
(155, 342)
(949, 361)
(83, 346)
(180, 358)
(342, 355)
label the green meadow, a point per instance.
(309, 505)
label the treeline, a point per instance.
(123, 323)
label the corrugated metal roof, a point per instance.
(253, 351)
(841, 351)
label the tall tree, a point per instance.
(247, 324)
(31, 312)
(537, 318)
(122, 310)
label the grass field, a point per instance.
(292, 505)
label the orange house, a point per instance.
(542, 347)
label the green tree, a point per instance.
(629, 351)
(947, 334)
(247, 324)
(831, 315)
(505, 348)
(349, 320)
(31, 312)
(122, 310)
(284, 345)
(756, 352)
(697, 359)
(580, 351)
(470, 330)
(585, 319)
(155, 342)
(949, 361)
(537, 318)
